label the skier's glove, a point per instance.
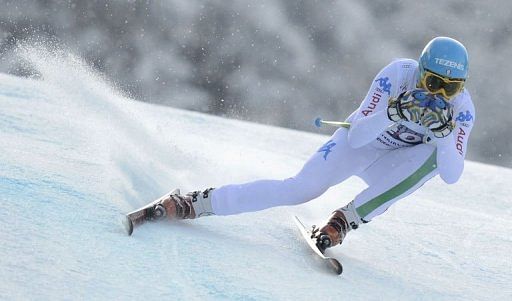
(438, 117)
(427, 109)
(407, 106)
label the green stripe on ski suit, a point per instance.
(400, 188)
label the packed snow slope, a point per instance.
(76, 155)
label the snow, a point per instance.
(76, 156)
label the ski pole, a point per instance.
(340, 124)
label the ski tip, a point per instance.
(338, 268)
(318, 122)
(128, 225)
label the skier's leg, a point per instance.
(334, 162)
(395, 176)
(392, 177)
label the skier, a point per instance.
(413, 124)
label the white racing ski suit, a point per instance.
(394, 159)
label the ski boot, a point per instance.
(172, 206)
(175, 206)
(335, 230)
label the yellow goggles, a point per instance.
(439, 85)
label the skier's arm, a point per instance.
(371, 117)
(451, 150)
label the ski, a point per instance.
(150, 212)
(333, 263)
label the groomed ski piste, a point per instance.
(76, 156)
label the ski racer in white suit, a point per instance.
(413, 124)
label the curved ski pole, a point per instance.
(319, 122)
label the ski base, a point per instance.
(333, 263)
